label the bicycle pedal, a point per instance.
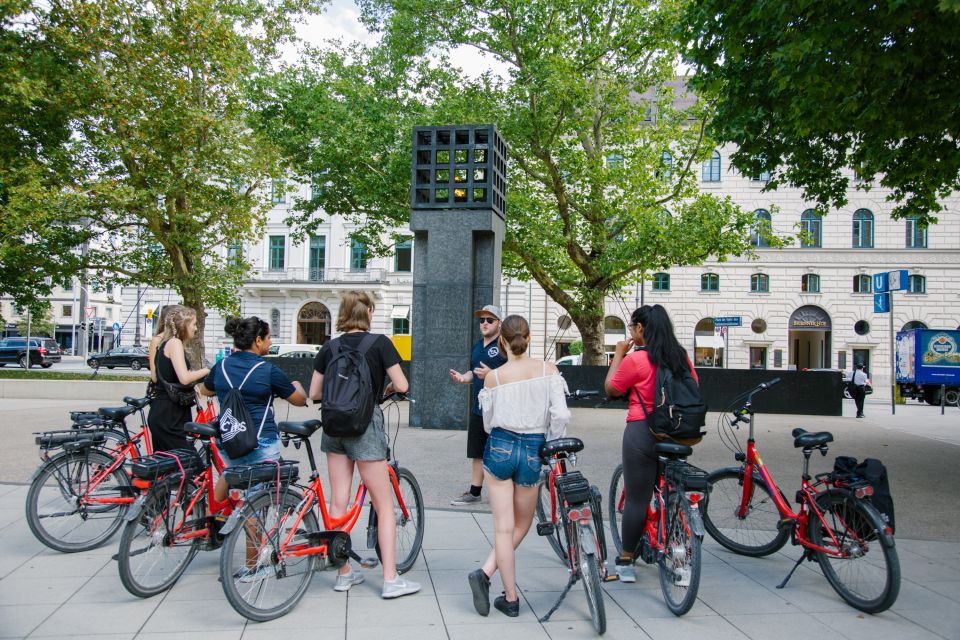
(369, 563)
(786, 523)
(611, 577)
(545, 529)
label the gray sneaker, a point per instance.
(626, 573)
(347, 580)
(464, 499)
(398, 587)
(247, 575)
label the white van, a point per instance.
(578, 359)
(293, 350)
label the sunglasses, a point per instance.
(487, 320)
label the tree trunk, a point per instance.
(591, 332)
(194, 350)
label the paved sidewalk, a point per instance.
(47, 594)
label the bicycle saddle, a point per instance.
(116, 413)
(560, 445)
(138, 403)
(805, 439)
(672, 450)
(201, 429)
(305, 429)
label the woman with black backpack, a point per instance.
(654, 345)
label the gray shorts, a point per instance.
(372, 445)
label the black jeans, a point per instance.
(859, 393)
(639, 477)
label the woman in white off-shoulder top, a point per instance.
(524, 404)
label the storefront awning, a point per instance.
(709, 342)
(400, 312)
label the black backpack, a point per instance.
(847, 470)
(237, 438)
(679, 413)
(347, 390)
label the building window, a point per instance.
(358, 256)
(811, 229)
(758, 326)
(861, 327)
(760, 283)
(316, 186)
(317, 258)
(710, 282)
(862, 284)
(666, 166)
(403, 259)
(916, 237)
(862, 229)
(278, 192)
(710, 171)
(661, 282)
(401, 326)
(234, 254)
(761, 221)
(810, 283)
(66, 310)
(278, 251)
(916, 284)
(110, 288)
(615, 161)
(68, 286)
(763, 177)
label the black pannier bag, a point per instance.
(573, 488)
(679, 413)
(246, 475)
(163, 463)
(848, 470)
(348, 400)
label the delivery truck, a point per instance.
(928, 365)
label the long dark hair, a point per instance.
(661, 343)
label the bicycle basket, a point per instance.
(152, 467)
(573, 488)
(686, 476)
(246, 475)
(55, 439)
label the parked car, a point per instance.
(43, 352)
(578, 359)
(134, 357)
(284, 349)
(294, 354)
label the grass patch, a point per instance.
(33, 374)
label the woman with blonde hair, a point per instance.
(368, 451)
(524, 404)
(168, 365)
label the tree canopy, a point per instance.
(810, 90)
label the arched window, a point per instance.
(761, 222)
(661, 282)
(664, 217)
(710, 172)
(862, 229)
(666, 166)
(613, 324)
(914, 324)
(862, 284)
(760, 283)
(811, 228)
(710, 282)
(916, 283)
(810, 283)
(916, 237)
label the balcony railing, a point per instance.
(312, 274)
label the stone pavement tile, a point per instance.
(120, 617)
(329, 613)
(106, 589)
(454, 534)
(12, 515)
(38, 590)
(52, 564)
(644, 602)
(98, 636)
(855, 625)
(502, 629)
(579, 629)
(553, 578)
(195, 586)
(458, 609)
(916, 597)
(19, 620)
(693, 628)
(782, 626)
(454, 559)
(535, 553)
(413, 610)
(234, 634)
(434, 632)
(573, 607)
(948, 588)
(922, 568)
(934, 549)
(944, 622)
(370, 587)
(192, 618)
(447, 582)
(10, 492)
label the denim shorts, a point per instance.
(268, 450)
(514, 456)
(371, 446)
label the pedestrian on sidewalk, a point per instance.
(486, 356)
(859, 384)
(524, 404)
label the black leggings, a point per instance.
(639, 476)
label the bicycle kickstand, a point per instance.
(806, 556)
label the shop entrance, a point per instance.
(810, 331)
(313, 324)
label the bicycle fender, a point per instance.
(588, 541)
(231, 522)
(694, 518)
(136, 508)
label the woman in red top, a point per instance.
(634, 373)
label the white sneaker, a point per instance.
(398, 587)
(347, 580)
(626, 573)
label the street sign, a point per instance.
(727, 321)
(116, 327)
(897, 280)
(87, 312)
(880, 282)
(881, 302)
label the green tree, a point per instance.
(41, 322)
(604, 144)
(809, 89)
(162, 168)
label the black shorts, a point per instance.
(476, 437)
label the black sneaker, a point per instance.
(480, 586)
(511, 609)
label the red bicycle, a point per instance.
(836, 523)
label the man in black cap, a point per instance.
(485, 357)
(859, 391)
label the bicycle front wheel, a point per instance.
(616, 500)
(261, 579)
(865, 570)
(544, 515)
(758, 532)
(590, 576)
(409, 527)
(72, 505)
(680, 562)
(153, 550)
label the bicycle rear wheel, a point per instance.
(409, 528)
(680, 562)
(758, 533)
(260, 584)
(615, 507)
(543, 513)
(153, 553)
(867, 573)
(589, 566)
(65, 512)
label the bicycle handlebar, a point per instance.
(396, 396)
(583, 393)
(763, 386)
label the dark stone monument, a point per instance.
(457, 202)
